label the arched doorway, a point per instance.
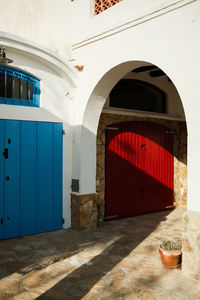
(91, 138)
(157, 103)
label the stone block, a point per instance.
(191, 244)
(183, 148)
(103, 138)
(84, 211)
(186, 245)
(100, 197)
(191, 221)
(100, 161)
(99, 142)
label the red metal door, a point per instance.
(139, 169)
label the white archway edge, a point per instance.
(41, 53)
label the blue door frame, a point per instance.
(30, 177)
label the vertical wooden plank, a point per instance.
(12, 185)
(28, 178)
(58, 162)
(45, 176)
(111, 205)
(160, 182)
(2, 218)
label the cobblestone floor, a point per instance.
(119, 260)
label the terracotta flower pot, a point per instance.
(171, 258)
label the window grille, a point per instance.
(101, 5)
(18, 88)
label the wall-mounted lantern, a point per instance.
(3, 59)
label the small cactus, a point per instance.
(171, 245)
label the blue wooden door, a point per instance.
(30, 177)
(2, 190)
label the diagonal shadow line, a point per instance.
(24, 262)
(152, 131)
(78, 283)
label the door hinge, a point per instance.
(170, 206)
(5, 153)
(111, 217)
(112, 128)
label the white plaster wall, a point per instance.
(169, 40)
(55, 106)
(85, 24)
(41, 21)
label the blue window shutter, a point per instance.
(22, 78)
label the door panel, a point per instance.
(139, 169)
(2, 219)
(58, 158)
(28, 178)
(45, 176)
(12, 184)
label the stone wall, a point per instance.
(180, 157)
(191, 244)
(83, 211)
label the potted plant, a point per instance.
(171, 252)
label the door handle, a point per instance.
(143, 145)
(141, 190)
(7, 178)
(1, 220)
(5, 153)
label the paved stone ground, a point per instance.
(119, 260)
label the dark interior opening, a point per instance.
(138, 95)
